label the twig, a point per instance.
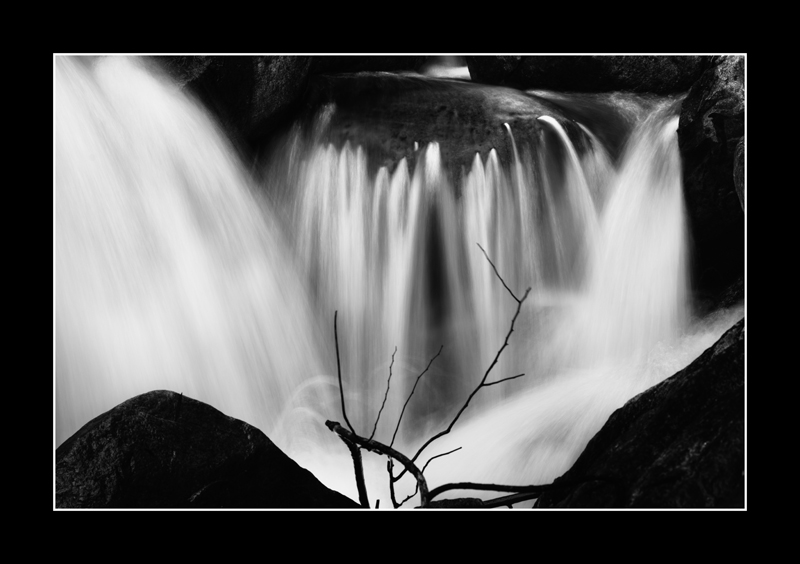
(498, 274)
(423, 471)
(339, 371)
(503, 380)
(475, 503)
(386, 395)
(439, 456)
(399, 419)
(480, 385)
(416, 489)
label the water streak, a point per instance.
(168, 275)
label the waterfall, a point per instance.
(176, 270)
(168, 275)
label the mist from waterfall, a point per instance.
(176, 269)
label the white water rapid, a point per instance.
(176, 270)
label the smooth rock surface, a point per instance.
(165, 450)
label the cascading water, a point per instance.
(168, 276)
(174, 271)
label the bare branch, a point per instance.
(423, 471)
(411, 394)
(480, 385)
(519, 493)
(439, 456)
(498, 274)
(475, 503)
(339, 371)
(503, 380)
(509, 500)
(389, 468)
(488, 487)
(386, 395)
(375, 446)
(416, 488)
(354, 441)
(355, 452)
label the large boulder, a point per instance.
(679, 444)
(711, 139)
(392, 115)
(591, 73)
(165, 450)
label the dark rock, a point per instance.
(165, 450)
(387, 113)
(679, 444)
(493, 69)
(732, 296)
(591, 73)
(334, 64)
(738, 171)
(183, 69)
(252, 95)
(249, 95)
(711, 139)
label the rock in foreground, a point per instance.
(680, 444)
(165, 450)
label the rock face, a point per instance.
(333, 64)
(587, 73)
(711, 139)
(679, 444)
(248, 94)
(165, 450)
(387, 113)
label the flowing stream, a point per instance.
(177, 268)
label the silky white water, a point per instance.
(176, 270)
(168, 276)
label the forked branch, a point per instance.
(500, 277)
(355, 442)
(482, 383)
(421, 374)
(386, 395)
(380, 448)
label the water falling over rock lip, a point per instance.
(386, 113)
